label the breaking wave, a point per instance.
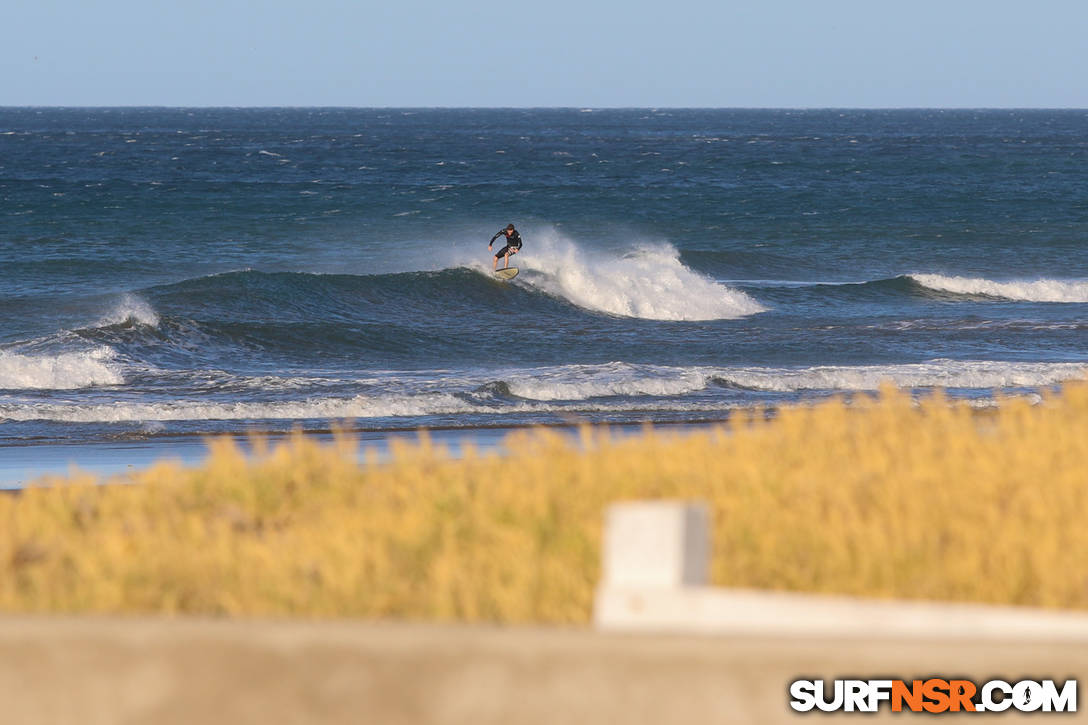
(63, 371)
(1040, 290)
(649, 282)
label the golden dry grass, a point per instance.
(882, 498)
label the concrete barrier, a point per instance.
(656, 565)
(149, 671)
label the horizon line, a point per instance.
(537, 108)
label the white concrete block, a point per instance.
(656, 545)
(656, 562)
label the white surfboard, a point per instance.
(507, 273)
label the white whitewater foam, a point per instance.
(1040, 290)
(330, 408)
(64, 371)
(933, 374)
(558, 389)
(649, 282)
(573, 389)
(130, 308)
(153, 414)
(572, 383)
(582, 382)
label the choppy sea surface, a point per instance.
(166, 273)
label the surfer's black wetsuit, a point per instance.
(512, 242)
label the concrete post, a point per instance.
(656, 545)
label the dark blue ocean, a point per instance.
(166, 273)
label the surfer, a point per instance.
(513, 244)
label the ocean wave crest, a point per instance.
(649, 282)
(582, 382)
(62, 371)
(187, 410)
(978, 375)
(130, 310)
(1040, 290)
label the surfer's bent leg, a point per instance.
(504, 252)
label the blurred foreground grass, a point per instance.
(882, 498)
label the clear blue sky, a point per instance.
(728, 53)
